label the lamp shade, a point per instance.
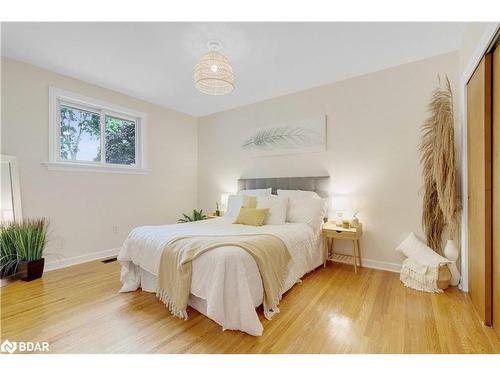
(213, 75)
(224, 197)
(341, 203)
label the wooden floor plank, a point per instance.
(333, 310)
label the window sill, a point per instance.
(82, 167)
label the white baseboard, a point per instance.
(66, 262)
(5, 282)
(61, 263)
(378, 265)
(375, 264)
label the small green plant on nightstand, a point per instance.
(197, 215)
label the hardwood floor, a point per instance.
(78, 310)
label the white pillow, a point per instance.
(234, 203)
(298, 193)
(256, 192)
(306, 209)
(277, 209)
(415, 249)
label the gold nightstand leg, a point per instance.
(359, 253)
(325, 250)
(355, 255)
(330, 247)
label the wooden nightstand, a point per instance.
(212, 215)
(330, 232)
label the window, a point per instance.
(80, 134)
(87, 134)
(120, 141)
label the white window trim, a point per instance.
(56, 96)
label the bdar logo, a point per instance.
(9, 347)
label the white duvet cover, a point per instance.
(226, 285)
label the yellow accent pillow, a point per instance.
(251, 216)
(249, 201)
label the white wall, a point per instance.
(83, 207)
(373, 133)
(473, 34)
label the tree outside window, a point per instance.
(80, 137)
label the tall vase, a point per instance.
(451, 253)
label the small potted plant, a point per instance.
(27, 239)
(197, 215)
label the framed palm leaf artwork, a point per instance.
(296, 137)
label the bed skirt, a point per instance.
(135, 277)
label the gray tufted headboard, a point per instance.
(319, 184)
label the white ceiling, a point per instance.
(154, 61)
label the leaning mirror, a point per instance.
(11, 193)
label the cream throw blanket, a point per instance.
(174, 275)
(420, 277)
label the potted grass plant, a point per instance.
(197, 215)
(22, 248)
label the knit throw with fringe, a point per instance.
(174, 275)
(420, 277)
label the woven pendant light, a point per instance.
(213, 75)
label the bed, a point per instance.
(226, 285)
